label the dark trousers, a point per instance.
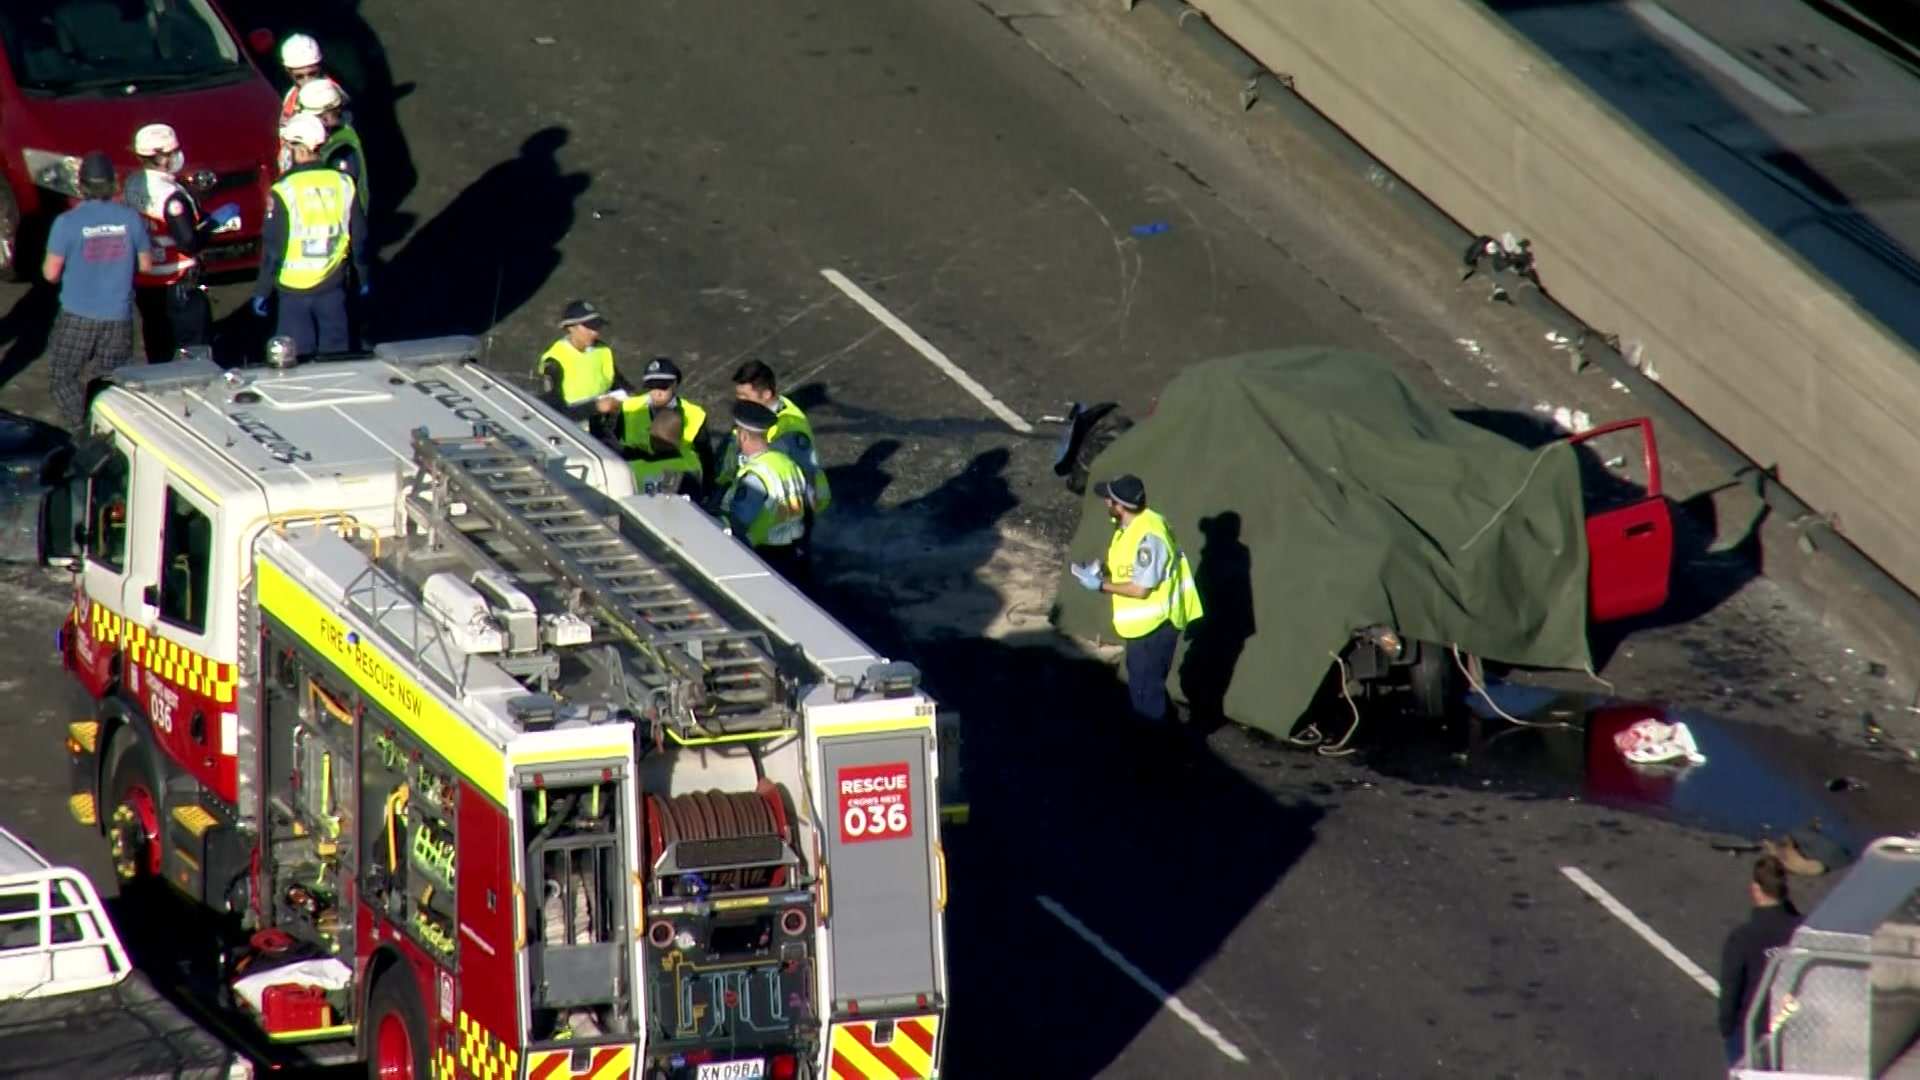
(1149, 662)
(316, 321)
(173, 317)
(190, 315)
(80, 351)
(789, 561)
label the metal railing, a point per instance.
(1764, 1023)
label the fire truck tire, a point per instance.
(133, 816)
(396, 1029)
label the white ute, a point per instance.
(71, 1003)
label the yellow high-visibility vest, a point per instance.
(661, 475)
(636, 432)
(789, 420)
(1174, 598)
(319, 203)
(783, 516)
(583, 375)
(636, 422)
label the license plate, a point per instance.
(744, 1069)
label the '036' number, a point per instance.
(875, 820)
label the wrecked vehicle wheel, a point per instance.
(1438, 685)
(1090, 430)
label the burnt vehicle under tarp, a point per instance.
(1350, 536)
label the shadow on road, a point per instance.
(858, 486)
(487, 253)
(1223, 575)
(24, 329)
(1161, 859)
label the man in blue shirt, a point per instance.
(92, 253)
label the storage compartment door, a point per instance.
(880, 831)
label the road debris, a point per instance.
(1656, 742)
(1571, 421)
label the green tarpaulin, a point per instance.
(1316, 492)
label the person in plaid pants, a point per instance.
(92, 253)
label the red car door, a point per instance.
(1629, 541)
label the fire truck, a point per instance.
(492, 765)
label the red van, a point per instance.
(81, 75)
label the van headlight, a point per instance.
(55, 172)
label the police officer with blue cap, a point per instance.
(1153, 592)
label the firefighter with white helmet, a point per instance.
(324, 100)
(300, 56)
(179, 232)
(315, 227)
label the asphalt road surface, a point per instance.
(697, 168)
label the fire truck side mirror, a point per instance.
(61, 536)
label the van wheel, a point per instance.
(133, 822)
(397, 1029)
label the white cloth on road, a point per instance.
(1655, 742)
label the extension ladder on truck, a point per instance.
(708, 666)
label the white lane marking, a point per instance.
(1173, 1004)
(927, 349)
(1667, 25)
(1647, 933)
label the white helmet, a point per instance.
(299, 51)
(155, 139)
(306, 130)
(321, 95)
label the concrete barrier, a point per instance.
(1754, 341)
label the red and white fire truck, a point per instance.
(494, 767)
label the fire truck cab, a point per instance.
(492, 766)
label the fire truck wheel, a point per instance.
(133, 826)
(398, 1024)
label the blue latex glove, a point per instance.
(225, 215)
(366, 289)
(259, 305)
(1088, 576)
